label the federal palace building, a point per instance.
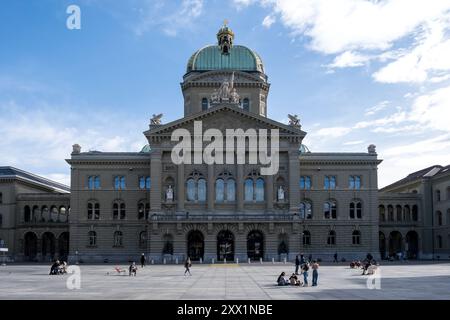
(122, 204)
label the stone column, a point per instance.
(210, 188)
(180, 187)
(240, 188)
(269, 193)
(294, 177)
(155, 176)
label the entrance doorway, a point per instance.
(225, 245)
(195, 245)
(255, 245)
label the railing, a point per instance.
(223, 217)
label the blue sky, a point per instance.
(356, 72)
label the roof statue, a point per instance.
(294, 120)
(226, 93)
(156, 119)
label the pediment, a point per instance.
(224, 117)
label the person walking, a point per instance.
(187, 265)
(315, 267)
(297, 264)
(143, 259)
(305, 269)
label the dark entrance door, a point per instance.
(30, 246)
(412, 243)
(225, 245)
(196, 245)
(63, 245)
(395, 243)
(255, 245)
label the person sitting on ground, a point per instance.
(62, 269)
(54, 268)
(282, 280)
(133, 269)
(294, 280)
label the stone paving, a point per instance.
(231, 281)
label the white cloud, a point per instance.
(170, 17)
(376, 108)
(429, 55)
(349, 59)
(353, 143)
(268, 21)
(332, 132)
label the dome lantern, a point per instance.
(225, 38)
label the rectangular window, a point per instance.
(329, 182)
(119, 182)
(93, 182)
(354, 182)
(305, 183)
(144, 183)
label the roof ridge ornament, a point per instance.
(294, 121)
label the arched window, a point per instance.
(204, 104)
(142, 239)
(330, 210)
(35, 214)
(44, 214)
(27, 214)
(118, 239)
(406, 213)
(119, 183)
(248, 190)
(54, 216)
(196, 187)
(220, 190)
(231, 190)
(246, 104)
(331, 240)
(382, 212)
(92, 238)
(306, 238)
(259, 191)
(439, 218)
(305, 210)
(119, 210)
(93, 210)
(356, 237)
(63, 215)
(398, 210)
(190, 184)
(390, 213)
(143, 210)
(355, 210)
(201, 189)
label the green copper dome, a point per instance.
(237, 58)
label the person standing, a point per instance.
(315, 267)
(335, 257)
(297, 264)
(132, 269)
(143, 259)
(187, 265)
(310, 258)
(305, 269)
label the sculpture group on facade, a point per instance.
(226, 92)
(156, 119)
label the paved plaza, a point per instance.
(230, 281)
